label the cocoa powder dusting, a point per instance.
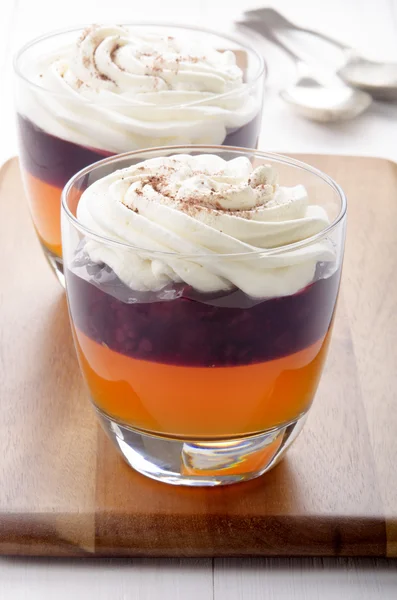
(194, 204)
(158, 64)
(114, 52)
(100, 75)
(158, 183)
(194, 59)
(86, 32)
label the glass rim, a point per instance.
(262, 69)
(260, 252)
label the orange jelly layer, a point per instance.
(45, 207)
(201, 401)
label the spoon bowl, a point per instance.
(319, 96)
(325, 104)
(377, 78)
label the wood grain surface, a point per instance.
(65, 491)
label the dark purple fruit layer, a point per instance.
(199, 330)
(50, 158)
(55, 160)
(245, 137)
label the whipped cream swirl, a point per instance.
(187, 214)
(120, 89)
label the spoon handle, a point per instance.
(305, 71)
(263, 29)
(275, 20)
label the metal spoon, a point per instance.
(377, 78)
(317, 96)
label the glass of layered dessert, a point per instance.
(202, 284)
(85, 94)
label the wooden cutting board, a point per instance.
(65, 491)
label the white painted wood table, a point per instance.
(370, 25)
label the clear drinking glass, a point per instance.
(196, 388)
(60, 133)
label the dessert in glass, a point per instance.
(85, 94)
(202, 284)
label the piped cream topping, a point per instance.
(120, 89)
(207, 222)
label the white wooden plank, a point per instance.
(361, 23)
(8, 13)
(305, 579)
(83, 579)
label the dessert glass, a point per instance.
(195, 388)
(53, 145)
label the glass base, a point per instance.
(56, 264)
(204, 462)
